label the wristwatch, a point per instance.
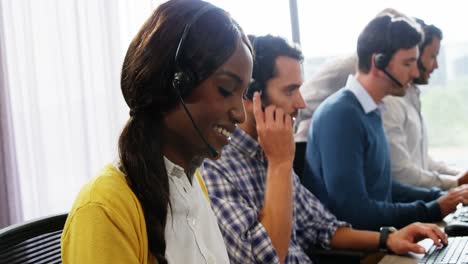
(384, 232)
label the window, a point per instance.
(64, 61)
(329, 29)
(260, 17)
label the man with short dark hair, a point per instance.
(347, 158)
(406, 131)
(264, 213)
(328, 79)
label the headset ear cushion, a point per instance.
(253, 87)
(183, 81)
(381, 61)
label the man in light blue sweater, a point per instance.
(347, 157)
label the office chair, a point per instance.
(36, 241)
(299, 159)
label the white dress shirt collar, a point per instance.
(367, 103)
(173, 169)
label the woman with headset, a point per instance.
(183, 78)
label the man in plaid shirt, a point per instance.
(264, 212)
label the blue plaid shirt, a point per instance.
(236, 186)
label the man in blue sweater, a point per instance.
(347, 157)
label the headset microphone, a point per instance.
(395, 80)
(381, 61)
(213, 153)
(185, 79)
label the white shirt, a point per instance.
(192, 232)
(407, 138)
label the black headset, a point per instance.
(185, 79)
(422, 45)
(254, 85)
(382, 59)
(257, 83)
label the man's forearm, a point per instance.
(348, 238)
(276, 215)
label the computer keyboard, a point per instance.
(460, 215)
(454, 253)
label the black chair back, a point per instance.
(299, 159)
(36, 241)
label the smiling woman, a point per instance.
(184, 89)
(219, 96)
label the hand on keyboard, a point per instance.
(448, 202)
(405, 239)
(462, 178)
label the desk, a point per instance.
(355, 257)
(411, 258)
(371, 257)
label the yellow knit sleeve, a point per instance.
(94, 235)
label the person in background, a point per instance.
(266, 215)
(184, 88)
(326, 81)
(347, 158)
(406, 131)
